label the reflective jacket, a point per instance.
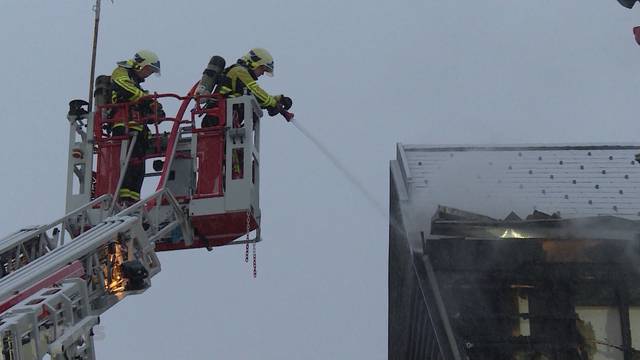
(239, 77)
(126, 87)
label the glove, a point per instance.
(286, 102)
(151, 110)
(144, 106)
(159, 110)
(273, 111)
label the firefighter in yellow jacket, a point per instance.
(125, 83)
(243, 76)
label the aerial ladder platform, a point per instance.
(57, 279)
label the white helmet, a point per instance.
(146, 57)
(259, 57)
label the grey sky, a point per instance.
(363, 75)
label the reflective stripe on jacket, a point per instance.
(236, 78)
(126, 88)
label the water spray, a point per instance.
(355, 181)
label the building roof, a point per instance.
(571, 180)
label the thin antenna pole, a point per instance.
(93, 53)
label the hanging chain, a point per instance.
(246, 249)
(255, 268)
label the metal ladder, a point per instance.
(19, 249)
(56, 299)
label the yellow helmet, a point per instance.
(146, 57)
(259, 57)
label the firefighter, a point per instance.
(243, 77)
(240, 78)
(125, 82)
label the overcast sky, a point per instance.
(363, 75)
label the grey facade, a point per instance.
(514, 252)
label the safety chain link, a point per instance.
(246, 248)
(255, 267)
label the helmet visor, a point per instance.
(269, 69)
(156, 67)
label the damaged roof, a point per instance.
(569, 180)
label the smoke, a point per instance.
(468, 181)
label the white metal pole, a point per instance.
(93, 53)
